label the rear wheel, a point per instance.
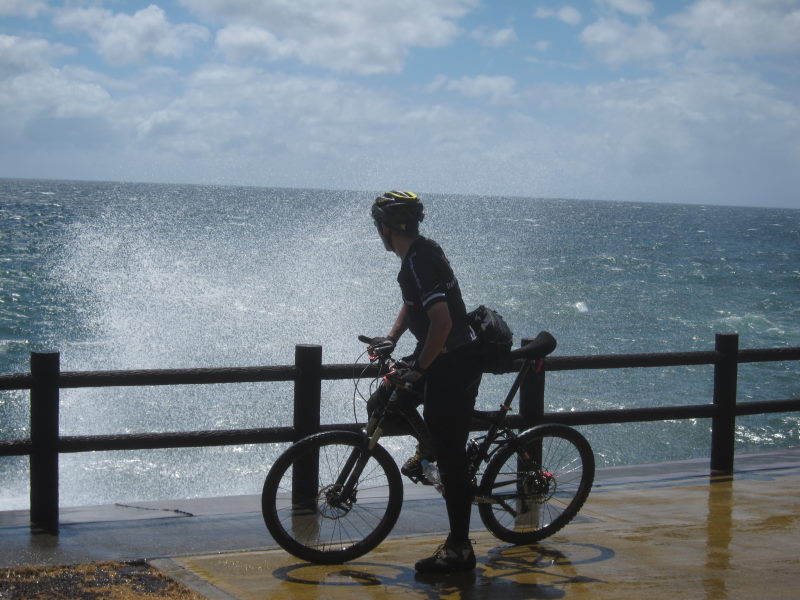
(533, 487)
(328, 499)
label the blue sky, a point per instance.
(692, 101)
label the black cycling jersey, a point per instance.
(426, 278)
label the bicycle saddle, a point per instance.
(542, 345)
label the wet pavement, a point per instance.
(650, 531)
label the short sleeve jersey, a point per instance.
(426, 278)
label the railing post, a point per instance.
(531, 395)
(307, 400)
(45, 369)
(307, 389)
(531, 406)
(723, 425)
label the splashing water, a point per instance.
(126, 276)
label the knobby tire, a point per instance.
(534, 497)
(313, 528)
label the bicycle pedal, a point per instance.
(418, 479)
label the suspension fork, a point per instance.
(355, 463)
(353, 467)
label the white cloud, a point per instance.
(676, 137)
(236, 110)
(694, 130)
(562, 65)
(685, 136)
(21, 54)
(362, 36)
(497, 88)
(123, 39)
(637, 8)
(565, 14)
(494, 38)
(689, 136)
(617, 42)
(240, 42)
(721, 29)
(242, 124)
(49, 109)
(743, 28)
(22, 8)
(232, 124)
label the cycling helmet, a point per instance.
(401, 211)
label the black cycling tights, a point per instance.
(451, 386)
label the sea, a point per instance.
(141, 276)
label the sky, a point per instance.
(688, 101)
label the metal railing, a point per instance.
(45, 381)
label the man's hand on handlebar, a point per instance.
(402, 375)
(407, 377)
(378, 346)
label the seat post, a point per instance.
(523, 372)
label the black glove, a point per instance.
(408, 377)
(384, 345)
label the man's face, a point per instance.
(386, 236)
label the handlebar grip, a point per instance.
(365, 339)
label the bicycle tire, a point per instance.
(546, 493)
(306, 524)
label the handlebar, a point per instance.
(382, 351)
(378, 349)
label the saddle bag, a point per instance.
(494, 338)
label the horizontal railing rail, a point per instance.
(45, 380)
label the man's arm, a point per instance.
(438, 331)
(400, 324)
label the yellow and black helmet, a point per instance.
(401, 211)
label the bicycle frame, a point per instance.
(496, 435)
(497, 419)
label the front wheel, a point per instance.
(536, 484)
(328, 499)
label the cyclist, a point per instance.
(444, 365)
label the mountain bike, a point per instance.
(334, 496)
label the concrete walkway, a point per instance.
(652, 531)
